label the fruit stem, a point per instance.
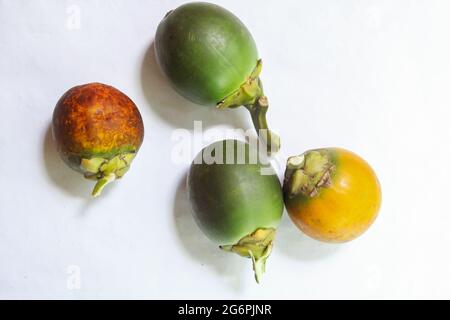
(258, 112)
(101, 183)
(105, 170)
(257, 246)
(251, 95)
(259, 265)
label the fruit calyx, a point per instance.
(306, 174)
(106, 170)
(251, 95)
(247, 93)
(257, 246)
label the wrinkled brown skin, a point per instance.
(96, 120)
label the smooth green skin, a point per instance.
(231, 201)
(205, 51)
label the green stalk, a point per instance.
(258, 112)
(257, 246)
(105, 171)
(251, 95)
(101, 183)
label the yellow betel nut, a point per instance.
(332, 195)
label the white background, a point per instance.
(370, 76)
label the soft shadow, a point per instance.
(66, 179)
(172, 108)
(229, 266)
(295, 244)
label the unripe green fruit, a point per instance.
(210, 58)
(234, 203)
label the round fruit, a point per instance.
(98, 131)
(234, 202)
(210, 58)
(331, 194)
